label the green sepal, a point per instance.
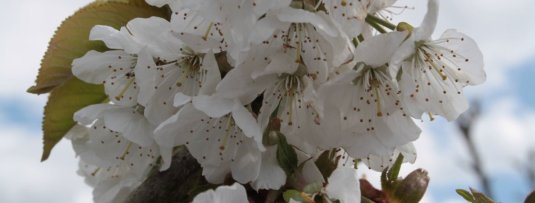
(286, 156)
(393, 172)
(292, 194)
(465, 194)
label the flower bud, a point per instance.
(403, 26)
(413, 187)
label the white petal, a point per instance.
(129, 122)
(213, 76)
(429, 23)
(213, 106)
(181, 99)
(114, 39)
(247, 167)
(469, 59)
(247, 123)
(271, 175)
(223, 194)
(145, 70)
(344, 185)
(378, 51)
(280, 63)
(89, 114)
(302, 16)
(157, 3)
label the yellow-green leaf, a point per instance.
(62, 103)
(71, 39)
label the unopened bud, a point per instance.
(367, 190)
(413, 187)
(403, 26)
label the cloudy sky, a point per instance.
(504, 134)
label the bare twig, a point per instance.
(465, 124)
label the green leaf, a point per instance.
(480, 197)
(286, 156)
(465, 194)
(71, 39)
(62, 103)
(393, 172)
(292, 194)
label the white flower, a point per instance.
(229, 21)
(116, 68)
(117, 136)
(189, 73)
(434, 72)
(113, 165)
(108, 185)
(218, 144)
(223, 194)
(368, 100)
(309, 38)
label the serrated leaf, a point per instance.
(62, 103)
(71, 39)
(465, 194)
(286, 156)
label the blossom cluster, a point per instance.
(229, 79)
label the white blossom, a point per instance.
(434, 72)
(116, 68)
(218, 144)
(371, 113)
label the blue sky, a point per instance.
(504, 133)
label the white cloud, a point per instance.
(504, 135)
(23, 178)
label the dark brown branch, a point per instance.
(180, 183)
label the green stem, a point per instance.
(375, 25)
(380, 21)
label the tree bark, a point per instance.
(180, 183)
